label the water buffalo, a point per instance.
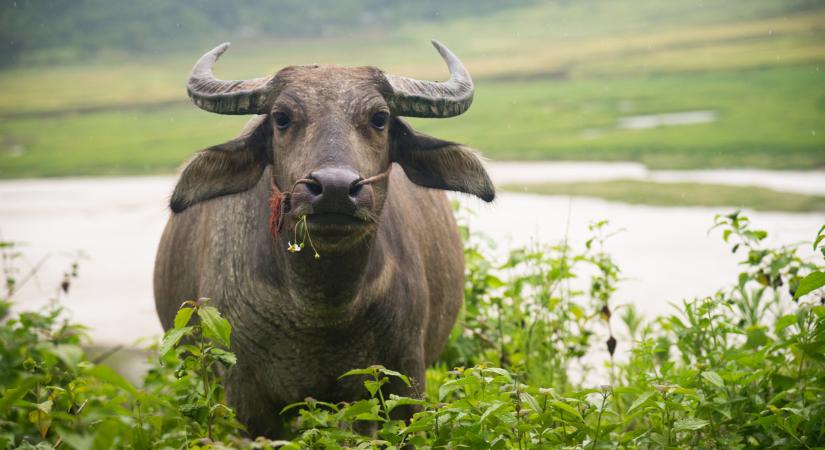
(326, 157)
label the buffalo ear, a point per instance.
(434, 163)
(232, 167)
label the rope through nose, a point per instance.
(375, 178)
(280, 202)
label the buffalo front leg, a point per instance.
(253, 408)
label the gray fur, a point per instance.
(387, 294)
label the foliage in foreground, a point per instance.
(743, 368)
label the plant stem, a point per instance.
(599, 421)
(667, 419)
(205, 382)
(381, 397)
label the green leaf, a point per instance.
(785, 321)
(220, 410)
(183, 316)
(228, 359)
(45, 407)
(366, 371)
(452, 385)
(577, 312)
(757, 336)
(640, 400)
(359, 408)
(689, 424)
(171, 339)
(497, 405)
(370, 417)
(395, 374)
(105, 434)
(16, 393)
(713, 378)
(530, 400)
(683, 390)
(811, 282)
(819, 237)
(396, 401)
(71, 355)
(293, 406)
(41, 419)
(214, 326)
(814, 350)
(107, 374)
(493, 282)
(373, 386)
(566, 408)
(498, 371)
(75, 440)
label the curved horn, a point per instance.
(226, 97)
(419, 98)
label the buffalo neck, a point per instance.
(331, 285)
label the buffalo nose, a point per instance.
(335, 190)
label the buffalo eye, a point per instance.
(379, 120)
(282, 120)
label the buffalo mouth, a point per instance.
(336, 225)
(333, 220)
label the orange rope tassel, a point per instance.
(278, 204)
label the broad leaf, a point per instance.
(228, 359)
(107, 374)
(367, 371)
(566, 408)
(530, 400)
(689, 424)
(396, 401)
(171, 339)
(214, 326)
(491, 410)
(713, 378)
(183, 316)
(811, 282)
(640, 400)
(16, 393)
(361, 407)
(395, 374)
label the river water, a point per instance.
(665, 253)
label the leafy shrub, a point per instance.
(742, 368)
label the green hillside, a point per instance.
(555, 80)
(44, 30)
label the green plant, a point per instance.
(53, 396)
(535, 362)
(199, 352)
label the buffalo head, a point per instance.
(329, 133)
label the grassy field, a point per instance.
(553, 82)
(766, 118)
(681, 194)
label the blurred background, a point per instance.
(655, 115)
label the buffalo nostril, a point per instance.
(315, 188)
(355, 188)
(333, 188)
